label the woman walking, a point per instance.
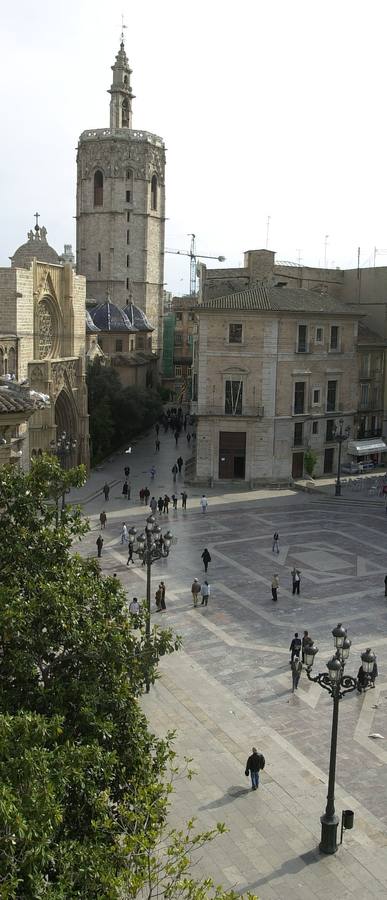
(206, 559)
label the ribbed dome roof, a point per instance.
(91, 327)
(36, 246)
(137, 318)
(108, 317)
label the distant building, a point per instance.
(179, 326)
(124, 340)
(275, 367)
(121, 207)
(42, 341)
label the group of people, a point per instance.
(200, 589)
(298, 648)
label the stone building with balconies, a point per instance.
(274, 368)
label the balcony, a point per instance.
(248, 412)
(372, 433)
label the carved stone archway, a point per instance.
(66, 421)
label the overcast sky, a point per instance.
(266, 108)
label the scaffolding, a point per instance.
(168, 345)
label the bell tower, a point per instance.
(121, 92)
(121, 207)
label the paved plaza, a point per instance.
(230, 686)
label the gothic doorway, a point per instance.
(65, 421)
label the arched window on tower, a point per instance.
(99, 262)
(154, 192)
(125, 113)
(98, 188)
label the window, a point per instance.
(125, 113)
(334, 339)
(375, 396)
(154, 192)
(99, 262)
(118, 345)
(178, 371)
(128, 196)
(127, 284)
(128, 216)
(364, 394)
(298, 434)
(331, 396)
(128, 174)
(179, 316)
(299, 397)
(178, 340)
(235, 334)
(233, 398)
(302, 346)
(319, 335)
(127, 261)
(328, 460)
(98, 188)
(316, 395)
(314, 427)
(132, 345)
(365, 365)
(128, 236)
(330, 432)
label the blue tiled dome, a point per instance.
(108, 317)
(137, 318)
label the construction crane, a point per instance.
(193, 257)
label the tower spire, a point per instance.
(120, 91)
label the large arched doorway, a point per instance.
(66, 428)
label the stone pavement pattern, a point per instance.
(230, 686)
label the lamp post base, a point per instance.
(329, 825)
(337, 490)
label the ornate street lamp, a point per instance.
(337, 684)
(63, 448)
(151, 545)
(340, 436)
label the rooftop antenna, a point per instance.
(325, 250)
(267, 231)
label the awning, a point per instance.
(361, 448)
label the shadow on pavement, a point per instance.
(231, 794)
(290, 867)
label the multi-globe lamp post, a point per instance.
(150, 546)
(340, 436)
(63, 448)
(337, 683)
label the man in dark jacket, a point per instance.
(254, 764)
(295, 647)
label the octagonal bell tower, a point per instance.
(121, 207)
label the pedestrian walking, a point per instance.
(130, 553)
(146, 495)
(102, 519)
(295, 647)
(166, 503)
(162, 596)
(158, 599)
(296, 672)
(275, 542)
(362, 680)
(99, 543)
(184, 498)
(152, 472)
(296, 581)
(124, 534)
(206, 558)
(203, 503)
(127, 471)
(255, 763)
(157, 445)
(142, 495)
(307, 641)
(160, 505)
(134, 607)
(174, 501)
(153, 505)
(274, 587)
(195, 590)
(125, 489)
(180, 463)
(106, 491)
(157, 428)
(174, 471)
(205, 592)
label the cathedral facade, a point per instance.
(121, 208)
(42, 342)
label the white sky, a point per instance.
(267, 109)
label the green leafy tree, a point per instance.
(310, 460)
(84, 784)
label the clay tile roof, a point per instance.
(10, 403)
(262, 297)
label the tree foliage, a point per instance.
(117, 413)
(310, 460)
(84, 784)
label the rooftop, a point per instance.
(265, 298)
